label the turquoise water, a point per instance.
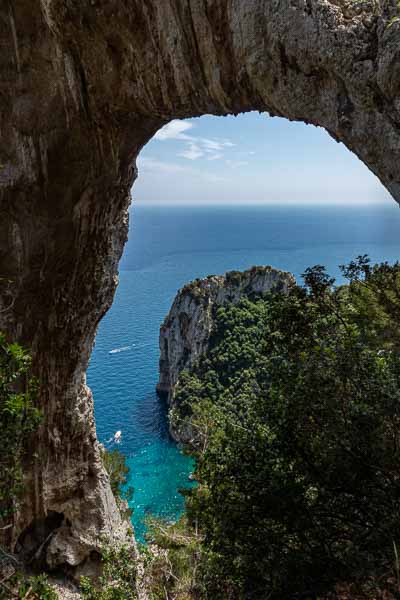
(169, 246)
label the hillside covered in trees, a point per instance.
(295, 419)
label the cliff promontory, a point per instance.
(186, 331)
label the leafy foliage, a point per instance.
(115, 464)
(17, 582)
(295, 412)
(118, 579)
(18, 419)
(172, 561)
(36, 588)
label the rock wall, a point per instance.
(84, 84)
(186, 331)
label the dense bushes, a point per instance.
(296, 418)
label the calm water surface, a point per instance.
(169, 246)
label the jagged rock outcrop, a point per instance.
(84, 84)
(186, 330)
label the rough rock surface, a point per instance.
(84, 84)
(65, 590)
(186, 331)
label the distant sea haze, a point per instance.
(169, 246)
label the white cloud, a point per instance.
(192, 152)
(196, 147)
(228, 143)
(174, 131)
(215, 144)
(212, 144)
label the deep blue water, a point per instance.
(169, 246)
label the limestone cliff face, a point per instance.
(84, 84)
(186, 330)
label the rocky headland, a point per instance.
(186, 330)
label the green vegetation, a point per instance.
(115, 464)
(18, 419)
(295, 413)
(118, 578)
(392, 21)
(22, 587)
(172, 561)
(195, 289)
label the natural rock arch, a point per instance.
(84, 84)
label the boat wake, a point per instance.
(123, 349)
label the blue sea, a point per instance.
(168, 246)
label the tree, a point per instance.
(299, 487)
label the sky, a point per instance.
(253, 159)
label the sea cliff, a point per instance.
(186, 330)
